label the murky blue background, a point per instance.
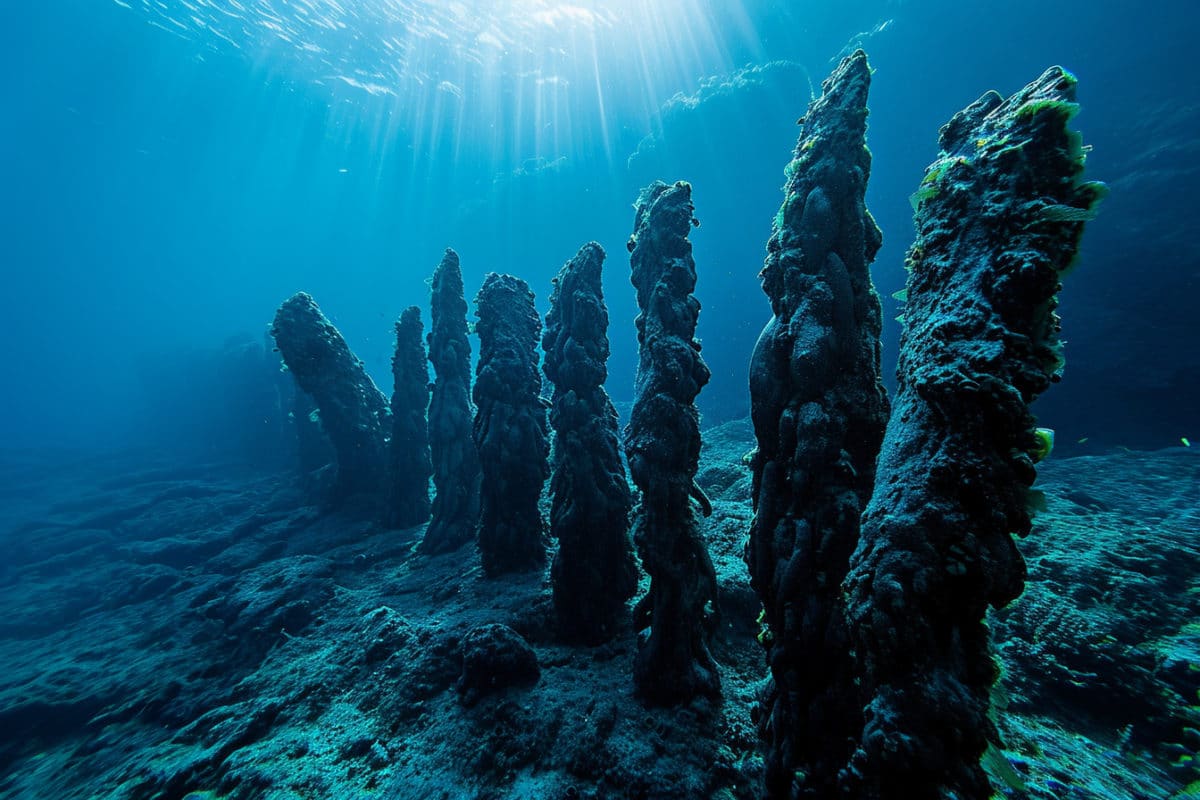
(170, 171)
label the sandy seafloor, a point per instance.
(200, 631)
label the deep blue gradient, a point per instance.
(166, 186)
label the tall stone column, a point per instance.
(662, 442)
(999, 217)
(409, 460)
(594, 572)
(455, 511)
(354, 413)
(510, 429)
(819, 409)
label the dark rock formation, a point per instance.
(662, 442)
(353, 411)
(593, 572)
(999, 218)
(455, 462)
(819, 410)
(495, 657)
(510, 427)
(410, 466)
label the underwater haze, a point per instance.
(513, 400)
(176, 169)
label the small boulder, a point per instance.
(495, 657)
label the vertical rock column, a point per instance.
(409, 458)
(510, 427)
(593, 573)
(819, 410)
(455, 463)
(353, 411)
(999, 217)
(662, 441)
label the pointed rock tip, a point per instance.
(1059, 81)
(845, 89)
(449, 262)
(592, 249)
(449, 259)
(300, 299)
(856, 63)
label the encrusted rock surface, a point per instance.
(999, 216)
(455, 509)
(662, 442)
(354, 413)
(171, 628)
(819, 410)
(594, 572)
(409, 462)
(510, 429)
(495, 658)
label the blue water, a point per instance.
(177, 621)
(173, 170)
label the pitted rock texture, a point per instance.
(819, 409)
(353, 412)
(455, 509)
(999, 217)
(511, 434)
(662, 442)
(594, 572)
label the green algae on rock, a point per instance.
(980, 344)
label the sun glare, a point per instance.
(508, 83)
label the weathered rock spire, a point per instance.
(819, 410)
(662, 441)
(354, 413)
(409, 458)
(594, 572)
(510, 427)
(455, 463)
(999, 216)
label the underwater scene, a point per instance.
(600, 400)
